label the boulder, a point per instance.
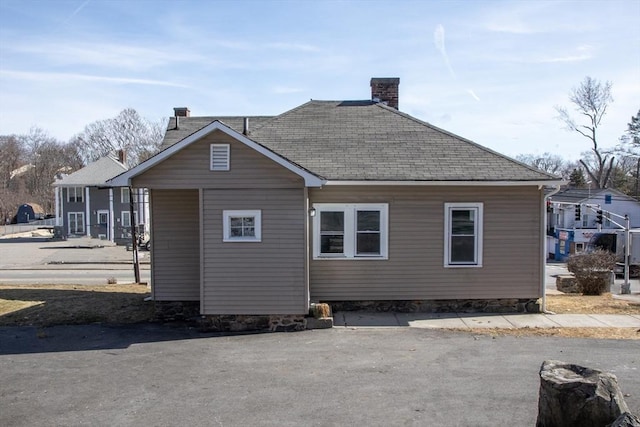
(572, 395)
(626, 420)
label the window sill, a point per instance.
(463, 266)
(241, 240)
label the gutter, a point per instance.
(545, 252)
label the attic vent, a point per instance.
(219, 157)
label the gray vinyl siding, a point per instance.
(415, 268)
(176, 245)
(189, 168)
(266, 277)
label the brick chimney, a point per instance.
(385, 90)
(181, 112)
(122, 156)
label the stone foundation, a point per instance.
(171, 311)
(511, 305)
(252, 323)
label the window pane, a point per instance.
(236, 232)
(332, 244)
(249, 231)
(462, 222)
(463, 249)
(248, 221)
(368, 220)
(331, 221)
(368, 243)
(235, 221)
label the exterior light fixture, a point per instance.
(312, 212)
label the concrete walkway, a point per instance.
(479, 320)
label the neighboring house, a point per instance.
(353, 203)
(87, 206)
(570, 233)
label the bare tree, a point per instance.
(591, 100)
(550, 163)
(138, 137)
(11, 189)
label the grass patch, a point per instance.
(590, 304)
(598, 333)
(48, 305)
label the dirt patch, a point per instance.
(599, 333)
(590, 304)
(47, 305)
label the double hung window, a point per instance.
(75, 194)
(351, 231)
(463, 235)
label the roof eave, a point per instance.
(434, 183)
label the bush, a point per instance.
(592, 270)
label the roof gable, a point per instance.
(94, 174)
(311, 180)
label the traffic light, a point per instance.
(578, 212)
(599, 217)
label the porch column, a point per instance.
(111, 219)
(56, 192)
(87, 203)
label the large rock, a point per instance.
(568, 284)
(572, 395)
(626, 420)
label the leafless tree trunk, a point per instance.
(591, 100)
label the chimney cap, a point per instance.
(385, 80)
(181, 112)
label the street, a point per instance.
(169, 375)
(73, 276)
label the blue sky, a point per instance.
(490, 71)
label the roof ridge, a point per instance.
(463, 139)
(272, 119)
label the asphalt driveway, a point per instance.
(163, 376)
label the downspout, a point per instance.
(543, 264)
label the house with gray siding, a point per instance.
(351, 203)
(87, 206)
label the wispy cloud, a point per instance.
(297, 47)
(67, 77)
(473, 94)
(438, 41)
(105, 54)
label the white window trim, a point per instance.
(350, 230)
(124, 199)
(226, 147)
(76, 214)
(75, 194)
(448, 207)
(226, 225)
(123, 215)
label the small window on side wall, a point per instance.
(463, 235)
(220, 157)
(242, 226)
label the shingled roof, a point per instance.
(94, 174)
(368, 141)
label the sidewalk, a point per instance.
(480, 320)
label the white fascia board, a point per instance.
(451, 183)
(124, 179)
